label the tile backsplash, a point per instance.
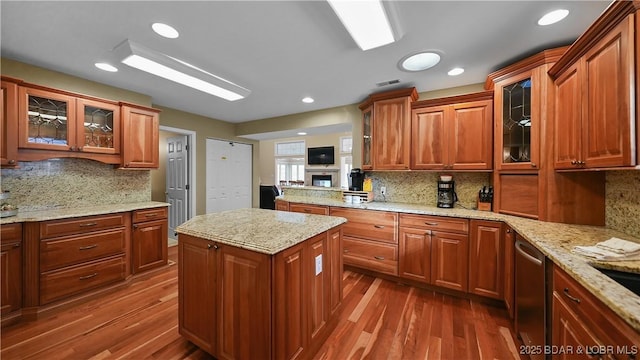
(622, 201)
(64, 183)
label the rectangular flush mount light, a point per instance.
(153, 62)
(365, 20)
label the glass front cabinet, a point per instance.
(367, 163)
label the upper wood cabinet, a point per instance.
(390, 129)
(9, 123)
(140, 144)
(594, 116)
(453, 133)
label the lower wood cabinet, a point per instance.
(509, 237)
(11, 265)
(150, 239)
(415, 254)
(486, 259)
(450, 260)
(282, 205)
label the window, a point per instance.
(346, 160)
(289, 158)
(346, 144)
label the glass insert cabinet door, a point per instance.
(98, 126)
(46, 120)
(367, 139)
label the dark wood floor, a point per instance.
(379, 320)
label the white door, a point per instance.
(177, 187)
(229, 174)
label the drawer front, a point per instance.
(370, 255)
(58, 284)
(440, 223)
(54, 228)
(369, 224)
(10, 233)
(149, 214)
(74, 250)
(309, 209)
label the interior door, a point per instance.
(177, 175)
(229, 175)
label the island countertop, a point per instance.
(260, 230)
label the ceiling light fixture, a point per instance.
(302, 133)
(106, 67)
(553, 17)
(366, 22)
(165, 30)
(142, 58)
(420, 61)
(455, 71)
(307, 100)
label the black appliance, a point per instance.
(447, 196)
(356, 179)
(321, 155)
(268, 195)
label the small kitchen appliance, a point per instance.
(446, 194)
(356, 179)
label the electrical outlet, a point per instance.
(383, 190)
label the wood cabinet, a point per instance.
(450, 260)
(580, 319)
(370, 239)
(98, 126)
(282, 205)
(11, 265)
(9, 123)
(453, 133)
(140, 127)
(486, 259)
(387, 117)
(149, 239)
(594, 113)
(509, 237)
(309, 209)
(415, 254)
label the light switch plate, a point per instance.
(318, 264)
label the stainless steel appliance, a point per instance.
(446, 194)
(530, 297)
(356, 179)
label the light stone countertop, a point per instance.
(64, 213)
(555, 240)
(260, 230)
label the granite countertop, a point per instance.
(260, 230)
(62, 213)
(555, 240)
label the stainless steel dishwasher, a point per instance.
(530, 298)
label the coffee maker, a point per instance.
(356, 179)
(446, 194)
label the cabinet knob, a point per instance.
(12, 162)
(508, 231)
(135, 226)
(212, 246)
(574, 162)
(534, 165)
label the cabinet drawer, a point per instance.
(63, 227)
(10, 233)
(149, 214)
(439, 223)
(73, 250)
(371, 255)
(309, 209)
(369, 224)
(68, 281)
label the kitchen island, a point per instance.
(259, 284)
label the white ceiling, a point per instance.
(282, 50)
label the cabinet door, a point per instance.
(309, 209)
(391, 134)
(567, 331)
(11, 277)
(320, 285)
(509, 268)
(98, 127)
(429, 138)
(415, 254)
(567, 140)
(335, 256)
(470, 137)
(367, 137)
(139, 137)
(607, 113)
(486, 259)
(46, 120)
(150, 242)
(198, 275)
(450, 260)
(282, 205)
(9, 124)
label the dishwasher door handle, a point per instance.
(520, 246)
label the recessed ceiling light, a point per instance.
(165, 30)
(420, 61)
(302, 133)
(455, 71)
(307, 100)
(106, 67)
(553, 17)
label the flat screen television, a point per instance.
(320, 155)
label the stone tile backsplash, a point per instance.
(64, 183)
(622, 201)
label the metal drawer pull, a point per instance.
(379, 257)
(307, 210)
(89, 247)
(88, 276)
(89, 224)
(431, 223)
(151, 215)
(379, 226)
(566, 292)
